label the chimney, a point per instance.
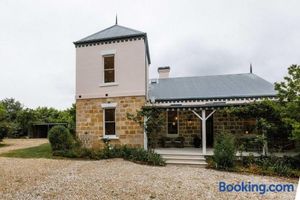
(163, 72)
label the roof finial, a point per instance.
(251, 68)
(116, 19)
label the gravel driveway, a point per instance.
(118, 179)
(21, 144)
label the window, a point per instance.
(172, 117)
(109, 121)
(109, 69)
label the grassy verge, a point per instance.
(42, 151)
(3, 145)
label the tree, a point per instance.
(12, 108)
(149, 118)
(289, 99)
(25, 118)
(3, 115)
(10, 126)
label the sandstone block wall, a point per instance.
(190, 125)
(89, 121)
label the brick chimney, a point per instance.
(163, 72)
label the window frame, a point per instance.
(167, 125)
(104, 70)
(104, 123)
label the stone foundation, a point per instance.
(89, 121)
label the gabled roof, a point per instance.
(211, 87)
(115, 32)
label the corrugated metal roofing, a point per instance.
(208, 87)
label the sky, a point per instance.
(37, 56)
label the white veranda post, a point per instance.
(203, 119)
(145, 135)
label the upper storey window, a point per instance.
(109, 69)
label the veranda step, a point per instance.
(187, 162)
(180, 153)
(181, 157)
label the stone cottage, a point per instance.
(112, 79)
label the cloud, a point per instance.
(37, 57)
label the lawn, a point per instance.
(42, 151)
(3, 145)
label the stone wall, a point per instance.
(190, 125)
(89, 121)
(224, 121)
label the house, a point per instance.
(112, 79)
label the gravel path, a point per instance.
(118, 179)
(20, 144)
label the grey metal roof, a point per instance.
(113, 33)
(211, 87)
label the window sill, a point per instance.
(172, 135)
(110, 137)
(108, 84)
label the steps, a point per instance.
(184, 158)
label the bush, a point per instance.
(61, 139)
(132, 154)
(2, 131)
(224, 151)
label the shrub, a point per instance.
(61, 139)
(294, 161)
(2, 131)
(133, 154)
(224, 151)
(248, 160)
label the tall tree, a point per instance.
(289, 98)
(12, 108)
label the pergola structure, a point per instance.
(40, 130)
(202, 109)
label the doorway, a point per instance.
(210, 132)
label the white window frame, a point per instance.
(107, 53)
(167, 128)
(109, 106)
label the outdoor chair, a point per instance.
(166, 142)
(179, 142)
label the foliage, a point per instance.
(266, 113)
(42, 151)
(138, 155)
(289, 99)
(153, 119)
(224, 151)
(270, 165)
(269, 121)
(16, 121)
(12, 108)
(61, 139)
(287, 166)
(288, 90)
(3, 114)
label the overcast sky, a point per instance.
(37, 56)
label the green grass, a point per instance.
(42, 151)
(3, 145)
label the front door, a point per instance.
(209, 132)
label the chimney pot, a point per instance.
(163, 72)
